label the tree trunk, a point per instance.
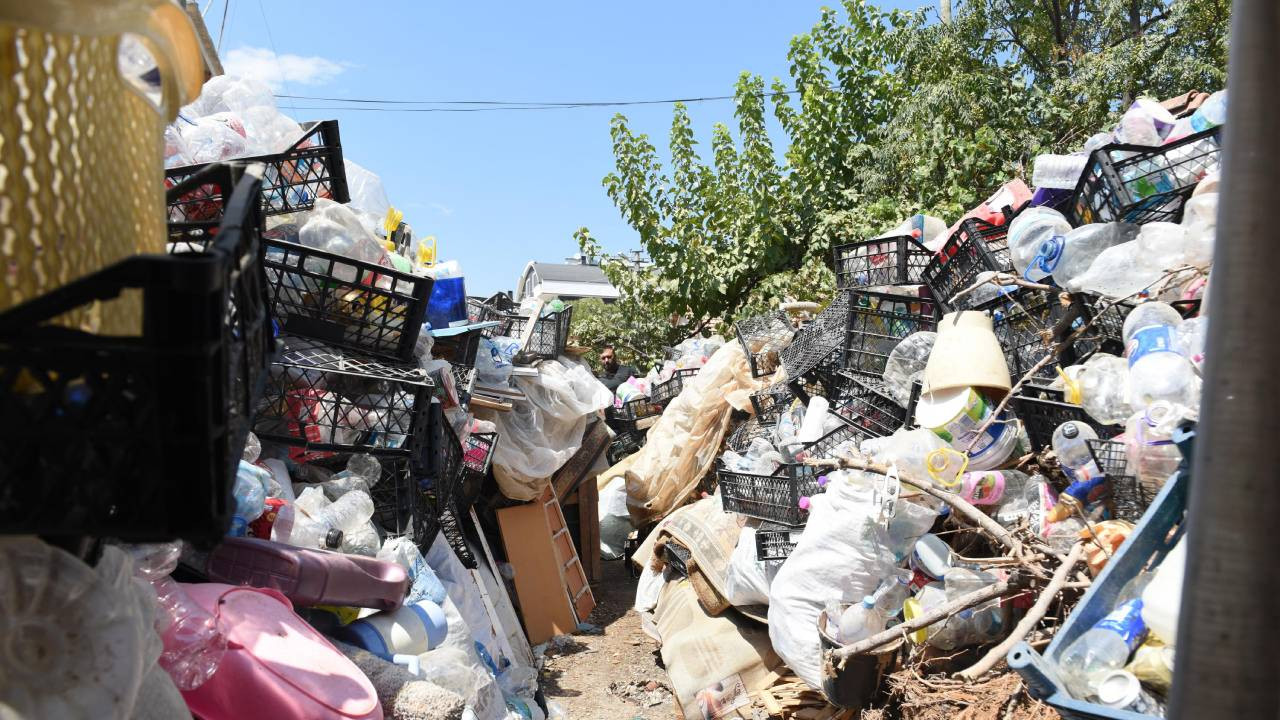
(944, 11)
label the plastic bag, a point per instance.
(842, 555)
(368, 197)
(493, 359)
(746, 579)
(334, 228)
(213, 138)
(615, 521)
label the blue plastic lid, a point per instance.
(868, 601)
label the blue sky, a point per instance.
(501, 188)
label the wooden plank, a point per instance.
(544, 603)
(589, 531)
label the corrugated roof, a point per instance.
(561, 272)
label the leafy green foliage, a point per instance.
(893, 115)
(637, 335)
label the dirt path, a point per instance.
(616, 675)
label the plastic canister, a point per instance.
(931, 558)
(448, 303)
(955, 415)
(411, 630)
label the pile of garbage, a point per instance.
(987, 420)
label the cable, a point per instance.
(275, 54)
(493, 105)
(222, 29)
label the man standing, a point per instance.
(614, 373)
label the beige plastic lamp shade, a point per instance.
(966, 354)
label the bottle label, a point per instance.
(1088, 490)
(1151, 339)
(984, 488)
(1126, 621)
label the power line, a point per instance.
(275, 54)
(490, 105)
(223, 27)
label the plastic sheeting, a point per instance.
(685, 441)
(544, 430)
(747, 580)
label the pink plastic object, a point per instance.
(277, 666)
(309, 577)
(1013, 194)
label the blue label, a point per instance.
(1126, 621)
(1082, 489)
(1151, 339)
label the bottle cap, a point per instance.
(868, 601)
(1119, 689)
(333, 539)
(804, 503)
(1070, 431)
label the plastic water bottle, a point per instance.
(1103, 648)
(1149, 441)
(860, 621)
(1157, 371)
(1067, 256)
(1060, 172)
(1029, 231)
(296, 528)
(975, 625)
(1104, 389)
(1210, 114)
(894, 591)
(993, 487)
(1071, 446)
(348, 513)
(906, 362)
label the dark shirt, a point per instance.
(613, 379)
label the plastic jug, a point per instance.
(309, 577)
(411, 630)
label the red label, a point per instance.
(261, 528)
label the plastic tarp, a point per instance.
(544, 430)
(685, 441)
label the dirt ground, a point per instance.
(616, 675)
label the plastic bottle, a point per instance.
(906, 363)
(1157, 371)
(426, 585)
(894, 591)
(1103, 648)
(1071, 446)
(814, 417)
(298, 529)
(1060, 172)
(860, 621)
(194, 642)
(348, 512)
(975, 625)
(1066, 256)
(252, 449)
(1212, 113)
(994, 487)
(1149, 442)
(1104, 388)
(1031, 229)
(1192, 334)
(362, 540)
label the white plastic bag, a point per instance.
(842, 555)
(335, 228)
(746, 579)
(493, 359)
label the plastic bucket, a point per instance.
(853, 686)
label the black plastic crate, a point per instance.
(777, 497)
(770, 403)
(550, 331)
(868, 404)
(898, 260)
(775, 541)
(454, 531)
(975, 247)
(138, 437)
(624, 445)
(347, 303)
(665, 392)
(1129, 497)
(817, 346)
(763, 338)
(323, 400)
(877, 323)
(1140, 184)
(620, 420)
(477, 458)
(311, 168)
(1041, 417)
(1024, 322)
(459, 350)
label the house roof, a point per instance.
(561, 272)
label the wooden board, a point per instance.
(594, 442)
(589, 531)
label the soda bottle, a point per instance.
(1103, 648)
(1157, 371)
(860, 621)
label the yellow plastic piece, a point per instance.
(910, 610)
(947, 466)
(427, 251)
(81, 150)
(1072, 392)
(392, 220)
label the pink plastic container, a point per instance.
(309, 577)
(276, 665)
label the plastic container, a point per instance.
(346, 303)
(877, 323)
(881, 261)
(1152, 540)
(311, 168)
(976, 247)
(309, 577)
(411, 630)
(860, 680)
(1141, 184)
(138, 437)
(763, 337)
(448, 304)
(322, 400)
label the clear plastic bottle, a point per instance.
(994, 487)
(1071, 446)
(1157, 371)
(906, 363)
(298, 529)
(1029, 231)
(194, 643)
(1060, 172)
(975, 625)
(1149, 441)
(860, 621)
(1210, 114)
(1104, 388)
(1103, 648)
(1066, 256)
(348, 512)
(894, 591)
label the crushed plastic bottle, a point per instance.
(194, 643)
(906, 363)
(1029, 231)
(1103, 648)
(976, 625)
(860, 620)
(425, 585)
(1149, 441)
(1104, 388)
(1067, 256)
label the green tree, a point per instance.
(891, 115)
